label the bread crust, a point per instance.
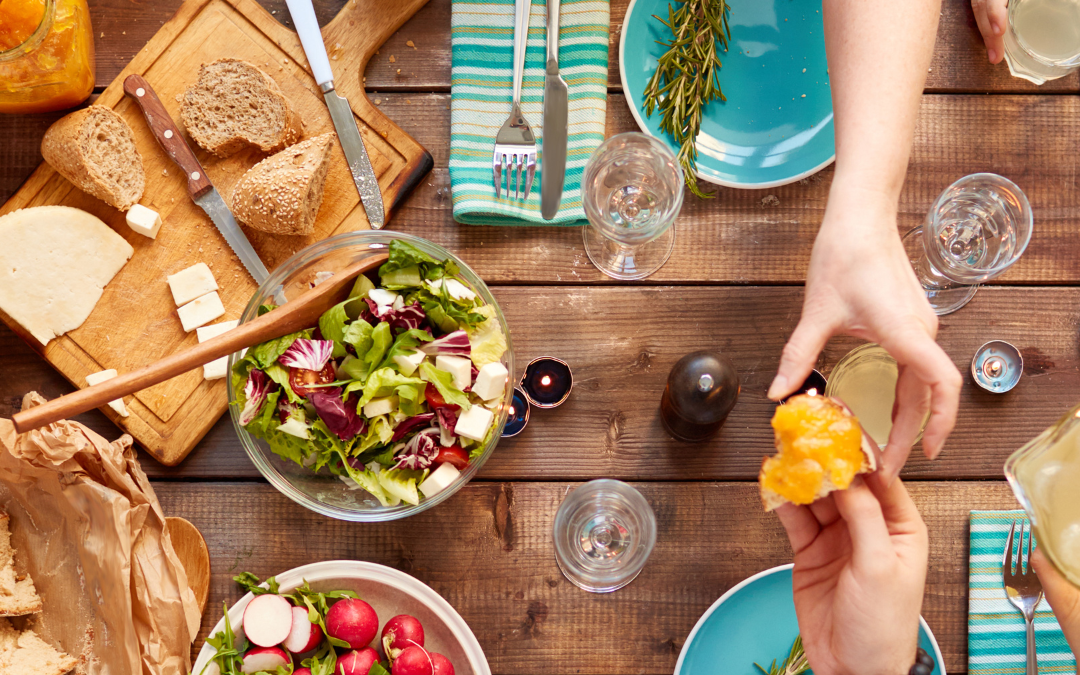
(291, 132)
(63, 148)
(282, 194)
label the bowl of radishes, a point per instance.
(341, 618)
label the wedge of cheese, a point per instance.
(54, 263)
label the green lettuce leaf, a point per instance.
(361, 287)
(406, 343)
(332, 326)
(379, 433)
(444, 382)
(283, 445)
(383, 382)
(380, 344)
(280, 374)
(268, 352)
(406, 277)
(358, 334)
(411, 398)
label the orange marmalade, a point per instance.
(46, 55)
(815, 439)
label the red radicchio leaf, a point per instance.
(411, 423)
(286, 409)
(447, 418)
(420, 452)
(407, 318)
(339, 416)
(367, 312)
(456, 343)
(258, 386)
(307, 354)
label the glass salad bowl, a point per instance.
(322, 491)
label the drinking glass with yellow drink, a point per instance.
(1042, 41)
(1045, 476)
(46, 55)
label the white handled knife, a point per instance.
(553, 164)
(307, 26)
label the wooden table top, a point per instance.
(736, 274)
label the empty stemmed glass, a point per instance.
(632, 191)
(977, 228)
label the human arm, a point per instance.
(860, 570)
(860, 281)
(1064, 598)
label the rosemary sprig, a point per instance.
(794, 664)
(687, 77)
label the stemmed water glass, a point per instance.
(977, 228)
(632, 191)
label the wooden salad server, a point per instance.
(190, 547)
(296, 315)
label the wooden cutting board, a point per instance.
(135, 320)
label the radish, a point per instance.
(357, 662)
(305, 635)
(353, 621)
(413, 661)
(268, 620)
(307, 671)
(264, 658)
(400, 632)
(441, 663)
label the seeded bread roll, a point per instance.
(24, 653)
(234, 105)
(282, 193)
(18, 596)
(95, 150)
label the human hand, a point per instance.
(1064, 598)
(992, 17)
(860, 569)
(861, 283)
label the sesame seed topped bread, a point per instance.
(233, 105)
(282, 193)
(24, 653)
(95, 150)
(17, 595)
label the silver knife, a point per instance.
(553, 165)
(307, 27)
(200, 188)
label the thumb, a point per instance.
(799, 355)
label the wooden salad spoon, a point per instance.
(293, 316)
(190, 547)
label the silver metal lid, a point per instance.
(997, 366)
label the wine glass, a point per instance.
(977, 228)
(604, 532)
(632, 190)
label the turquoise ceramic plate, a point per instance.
(776, 126)
(755, 622)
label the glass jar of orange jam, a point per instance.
(46, 55)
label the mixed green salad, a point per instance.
(395, 391)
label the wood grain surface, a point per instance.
(488, 550)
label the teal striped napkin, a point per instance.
(996, 635)
(482, 34)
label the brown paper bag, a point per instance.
(89, 530)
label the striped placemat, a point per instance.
(996, 636)
(482, 42)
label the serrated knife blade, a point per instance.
(219, 212)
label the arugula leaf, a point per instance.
(323, 662)
(317, 606)
(377, 669)
(280, 374)
(444, 382)
(250, 583)
(228, 655)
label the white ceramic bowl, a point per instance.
(390, 593)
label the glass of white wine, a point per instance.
(1042, 41)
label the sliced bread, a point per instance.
(24, 653)
(95, 150)
(18, 596)
(234, 105)
(282, 193)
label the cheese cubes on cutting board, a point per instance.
(194, 290)
(145, 221)
(218, 368)
(99, 377)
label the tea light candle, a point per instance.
(547, 382)
(518, 415)
(814, 385)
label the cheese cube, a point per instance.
(98, 378)
(216, 369)
(380, 406)
(145, 221)
(408, 363)
(459, 367)
(474, 423)
(491, 381)
(439, 480)
(210, 332)
(383, 299)
(194, 282)
(200, 311)
(454, 288)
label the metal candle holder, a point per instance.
(546, 383)
(997, 366)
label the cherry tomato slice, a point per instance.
(301, 378)
(454, 456)
(435, 399)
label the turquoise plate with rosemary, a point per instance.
(776, 126)
(754, 622)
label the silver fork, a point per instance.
(515, 146)
(1022, 587)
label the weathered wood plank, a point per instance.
(499, 571)
(621, 343)
(735, 238)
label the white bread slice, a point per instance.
(95, 150)
(282, 193)
(771, 500)
(234, 104)
(17, 596)
(24, 653)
